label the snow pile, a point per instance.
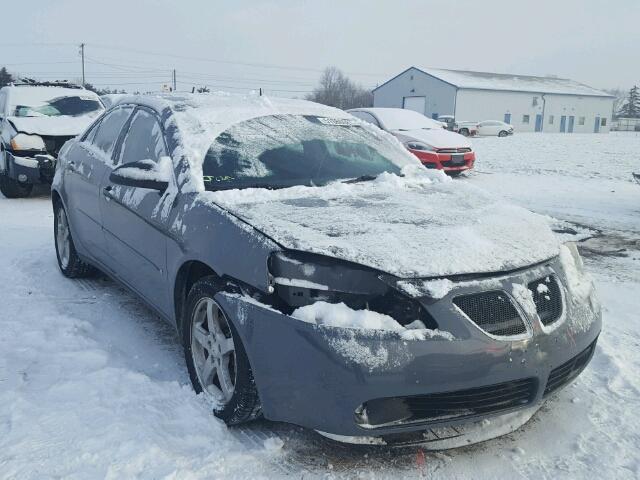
(398, 224)
(579, 282)
(340, 315)
(524, 297)
(436, 289)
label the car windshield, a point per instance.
(281, 151)
(71, 105)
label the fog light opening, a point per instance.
(23, 178)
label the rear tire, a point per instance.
(11, 188)
(212, 345)
(455, 173)
(69, 262)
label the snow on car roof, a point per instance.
(510, 82)
(200, 118)
(34, 95)
(401, 119)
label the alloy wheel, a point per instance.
(63, 241)
(213, 350)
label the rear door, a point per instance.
(87, 162)
(134, 229)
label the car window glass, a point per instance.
(144, 140)
(107, 133)
(367, 117)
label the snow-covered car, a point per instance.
(36, 119)
(318, 275)
(110, 99)
(425, 138)
(492, 128)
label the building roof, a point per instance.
(514, 83)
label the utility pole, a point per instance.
(174, 79)
(82, 56)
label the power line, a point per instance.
(229, 62)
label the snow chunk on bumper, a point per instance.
(340, 315)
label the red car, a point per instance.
(435, 146)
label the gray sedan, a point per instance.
(318, 275)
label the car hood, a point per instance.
(52, 126)
(438, 138)
(421, 225)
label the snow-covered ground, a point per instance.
(93, 385)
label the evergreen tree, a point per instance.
(5, 77)
(631, 108)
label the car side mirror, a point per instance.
(144, 174)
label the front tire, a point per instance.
(11, 188)
(69, 262)
(216, 359)
(464, 131)
(502, 133)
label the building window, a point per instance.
(550, 119)
(525, 118)
(535, 101)
(603, 122)
(580, 120)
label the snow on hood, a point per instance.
(62, 125)
(422, 225)
(436, 137)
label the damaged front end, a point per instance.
(491, 350)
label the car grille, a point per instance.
(548, 299)
(493, 312)
(567, 372)
(453, 150)
(53, 144)
(451, 405)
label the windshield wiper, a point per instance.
(361, 178)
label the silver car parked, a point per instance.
(318, 274)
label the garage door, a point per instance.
(416, 104)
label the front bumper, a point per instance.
(34, 168)
(446, 161)
(318, 376)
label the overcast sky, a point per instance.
(283, 45)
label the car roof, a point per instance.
(201, 117)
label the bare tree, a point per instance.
(337, 90)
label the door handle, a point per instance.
(106, 191)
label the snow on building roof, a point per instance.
(510, 82)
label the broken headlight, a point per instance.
(300, 279)
(22, 141)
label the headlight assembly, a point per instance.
(301, 279)
(420, 146)
(22, 141)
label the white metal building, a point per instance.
(530, 104)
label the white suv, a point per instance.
(36, 119)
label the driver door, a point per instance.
(134, 231)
